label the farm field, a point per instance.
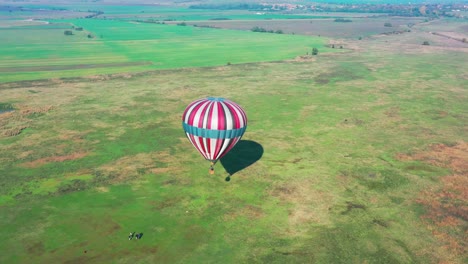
(43, 51)
(359, 27)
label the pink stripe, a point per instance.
(192, 140)
(187, 109)
(210, 115)
(193, 113)
(202, 150)
(208, 147)
(244, 116)
(230, 146)
(202, 116)
(236, 121)
(242, 113)
(218, 147)
(221, 118)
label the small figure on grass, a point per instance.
(139, 235)
(130, 237)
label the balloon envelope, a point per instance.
(213, 126)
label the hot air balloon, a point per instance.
(214, 125)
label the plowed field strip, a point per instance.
(72, 67)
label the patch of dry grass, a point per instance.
(130, 167)
(453, 157)
(309, 205)
(447, 205)
(42, 161)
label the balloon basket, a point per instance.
(211, 168)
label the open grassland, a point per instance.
(44, 52)
(355, 157)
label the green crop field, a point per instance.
(356, 155)
(30, 52)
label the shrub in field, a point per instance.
(258, 29)
(5, 107)
(68, 32)
(314, 51)
(426, 43)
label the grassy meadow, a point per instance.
(349, 157)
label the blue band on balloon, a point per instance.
(213, 133)
(215, 99)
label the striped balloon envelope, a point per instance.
(214, 125)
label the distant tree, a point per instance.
(90, 36)
(220, 18)
(387, 24)
(426, 43)
(68, 32)
(314, 51)
(279, 31)
(182, 24)
(258, 29)
(79, 29)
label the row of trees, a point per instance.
(69, 32)
(343, 20)
(260, 29)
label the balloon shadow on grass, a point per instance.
(244, 154)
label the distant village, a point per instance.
(428, 10)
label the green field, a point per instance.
(349, 157)
(141, 46)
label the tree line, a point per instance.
(260, 29)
